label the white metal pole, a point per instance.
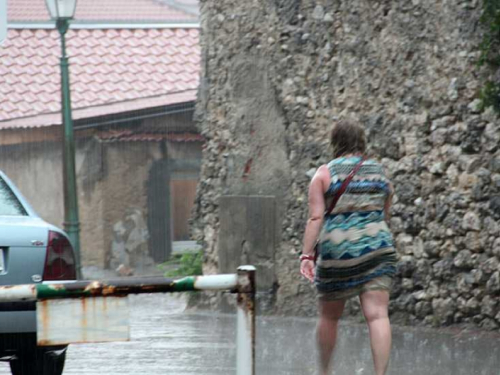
(245, 356)
(216, 282)
(17, 293)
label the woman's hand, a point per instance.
(307, 269)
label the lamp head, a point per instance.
(61, 9)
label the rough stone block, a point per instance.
(248, 236)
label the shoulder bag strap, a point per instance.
(343, 187)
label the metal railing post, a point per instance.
(245, 356)
(69, 300)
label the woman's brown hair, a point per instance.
(347, 138)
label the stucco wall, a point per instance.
(124, 193)
(277, 74)
(37, 177)
(113, 178)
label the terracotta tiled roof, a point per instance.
(112, 71)
(131, 136)
(102, 10)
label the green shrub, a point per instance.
(490, 96)
(490, 52)
(187, 264)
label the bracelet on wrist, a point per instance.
(306, 257)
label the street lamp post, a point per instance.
(62, 11)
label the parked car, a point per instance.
(31, 251)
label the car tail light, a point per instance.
(60, 260)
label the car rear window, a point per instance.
(9, 204)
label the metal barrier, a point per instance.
(98, 311)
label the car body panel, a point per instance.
(18, 321)
(23, 249)
(21, 231)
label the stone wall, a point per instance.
(277, 73)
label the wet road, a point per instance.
(167, 341)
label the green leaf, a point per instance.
(188, 264)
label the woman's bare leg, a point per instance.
(375, 308)
(330, 313)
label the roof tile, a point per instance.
(48, 88)
(87, 78)
(8, 107)
(91, 42)
(171, 78)
(176, 42)
(94, 87)
(139, 86)
(75, 42)
(4, 89)
(154, 33)
(168, 33)
(105, 96)
(16, 98)
(98, 34)
(30, 98)
(175, 68)
(54, 107)
(95, 61)
(47, 42)
(110, 87)
(181, 86)
(121, 68)
(140, 33)
(112, 33)
(25, 33)
(25, 79)
(89, 69)
(139, 64)
(118, 96)
(104, 69)
(161, 78)
(154, 86)
(18, 42)
(7, 61)
(129, 95)
(39, 79)
(83, 34)
(38, 107)
(41, 34)
(43, 51)
(134, 68)
(126, 33)
(90, 96)
(44, 98)
(181, 33)
(23, 106)
(76, 68)
(191, 68)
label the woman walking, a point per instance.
(349, 202)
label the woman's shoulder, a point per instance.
(344, 165)
(350, 160)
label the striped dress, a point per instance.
(356, 246)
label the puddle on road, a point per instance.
(167, 341)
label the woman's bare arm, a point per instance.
(317, 188)
(316, 211)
